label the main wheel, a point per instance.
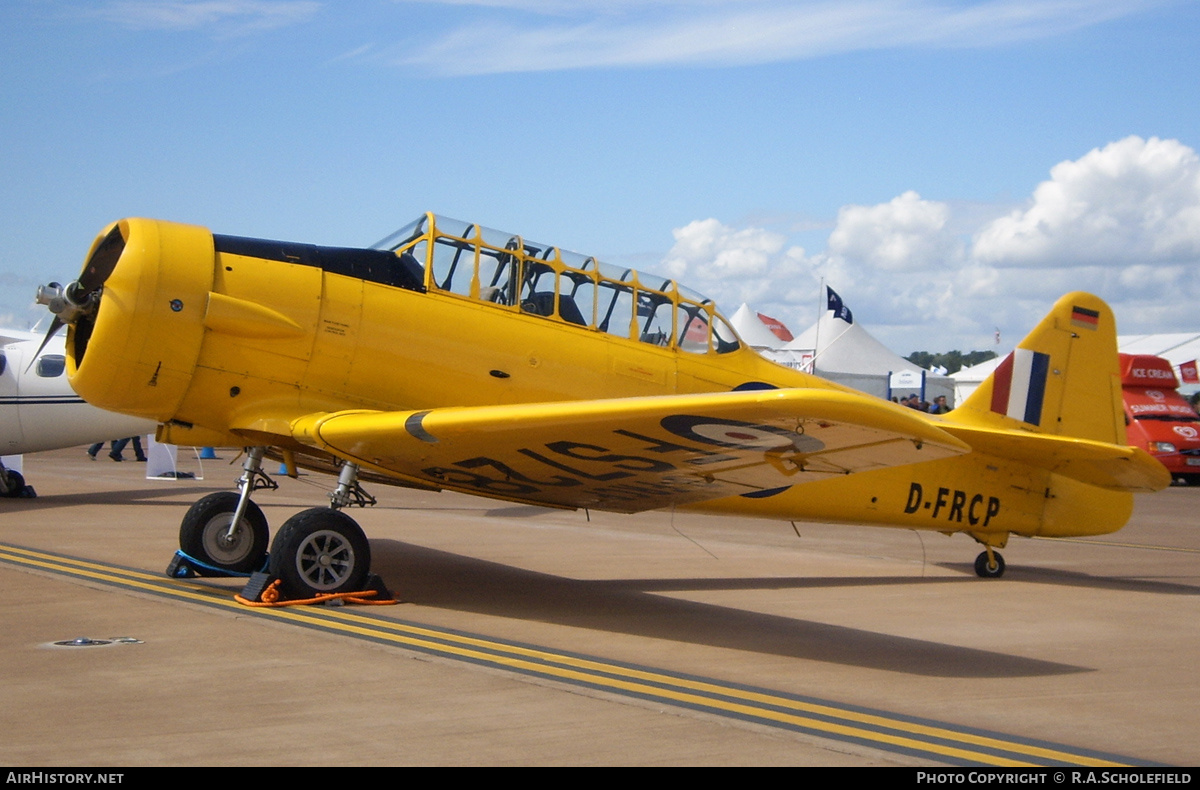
(14, 483)
(204, 533)
(989, 570)
(321, 550)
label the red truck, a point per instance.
(1158, 418)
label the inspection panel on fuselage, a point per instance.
(474, 262)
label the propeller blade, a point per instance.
(101, 264)
(55, 325)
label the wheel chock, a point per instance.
(180, 567)
(263, 590)
(256, 585)
(375, 584)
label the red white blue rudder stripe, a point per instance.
(1019, 385)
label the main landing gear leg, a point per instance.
(348, 491)
(322, 550)
(226, 531)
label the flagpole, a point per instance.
(817, 335)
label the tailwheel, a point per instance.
(989, 565)
(205, 533)
(318, 551)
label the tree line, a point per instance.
(952, 361)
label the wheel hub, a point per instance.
(224, 543)
(325, 559)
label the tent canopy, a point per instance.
(848, 354)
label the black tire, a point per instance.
(14, 483)
(205, 525)
(318, 551)
(986, 571)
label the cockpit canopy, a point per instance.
(491, 266)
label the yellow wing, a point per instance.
(634, 454)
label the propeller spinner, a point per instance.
(81, 298)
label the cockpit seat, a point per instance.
(569, 311)
(539, 303)
(542, 303)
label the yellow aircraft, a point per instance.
(451, 356)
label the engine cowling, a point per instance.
(135, 349)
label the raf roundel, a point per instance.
(742, 435)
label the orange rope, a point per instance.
(271, 597)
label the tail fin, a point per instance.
(1062, 379)
(1055, 404)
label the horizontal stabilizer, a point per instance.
(1110, 466)
(634, 454)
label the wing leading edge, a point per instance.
(634, 454)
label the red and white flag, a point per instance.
(1187, 373)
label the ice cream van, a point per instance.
(1158, 418)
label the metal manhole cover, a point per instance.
(83, 641)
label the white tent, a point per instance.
(848, 354)
(968, 380)
(1175, 346)
(752, 330)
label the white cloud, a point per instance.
(896, 262)
(1122, 221)
(905, 234)
(232, 16)
(1133, 201)
(726, 252)
(555, 35)
(728, 264)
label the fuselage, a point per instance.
(39, 410)
(227, 341)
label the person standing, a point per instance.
(939, 405)
(118, 445)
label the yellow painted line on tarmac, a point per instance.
(923, 738)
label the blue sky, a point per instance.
(949, 167)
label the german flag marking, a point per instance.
(1084, 318)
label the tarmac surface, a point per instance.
(1088, 643)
